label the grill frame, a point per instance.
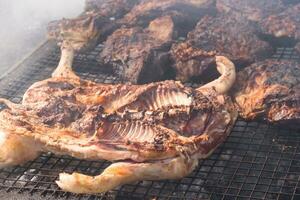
(257, 161)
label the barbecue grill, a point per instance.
(257, 161)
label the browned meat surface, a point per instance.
(227, 35)
(102, 17)
(148, 10)
(97, 21)
(154, 131)
(136, 124)
(112, 8)
(254, 10)
(269, 89)
(283, 24)
(140, 55)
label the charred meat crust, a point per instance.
(141, 129)
(254, 10)
(224, 34)
(269, 89)
(94, 24)
(140, 54)
(283, 24)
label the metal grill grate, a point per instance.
(258, 160)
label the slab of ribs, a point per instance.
(151, 132)
(269, 89)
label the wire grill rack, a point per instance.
(258, 160)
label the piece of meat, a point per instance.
(154, 131)
(254, 10)
(140, 55)
(84, 32)
(96, 22)
(227, 35)
(269, 89)
(283, 24)
(147, 10)
(112, 8)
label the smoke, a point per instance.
(23, 25)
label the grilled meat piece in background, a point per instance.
(284, 24)
(140, 55)
(148, 10)
(234, 37)
(135, 54)
(98, 20)
(254, 10)
(269, 89)
(154, 132)
(116, 8)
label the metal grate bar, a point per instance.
(257, 161)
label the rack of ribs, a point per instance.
(151, 132)
(269, 89)
(234, 37)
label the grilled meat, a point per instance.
(140, 55)
(148, 10)
(97, 21)
(101, 18)
(155, 131)
(269, 89)
(235, 38)
(112, 8)
(283, 24)
(254, 10)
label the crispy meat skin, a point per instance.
(254, 10)
(227, 35)
(158, 130)
(93, 24)
(269, 89)
(157, 120)
(283, 24)
(140, 54)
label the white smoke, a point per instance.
(23, 25)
